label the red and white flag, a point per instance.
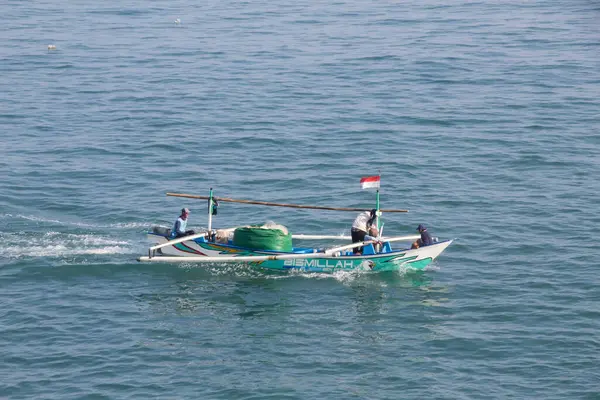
(370, 182)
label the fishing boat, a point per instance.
(272, 246)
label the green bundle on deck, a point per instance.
(261, 238)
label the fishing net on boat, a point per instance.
(269, 236)
(273, 225)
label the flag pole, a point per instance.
(210, 203)
(377, 213)
(378, 218)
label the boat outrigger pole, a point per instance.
(265, 203)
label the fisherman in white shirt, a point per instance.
(364, 228)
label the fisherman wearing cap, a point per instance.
(180, 225)
(426, 239)
(364, 228)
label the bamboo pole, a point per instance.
(266, 203)
(329, 237)
(178, 240)
(349, 246)
(400, 238)
(301, 236)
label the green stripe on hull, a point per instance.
(419, 264)
(402, 263)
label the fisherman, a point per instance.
(426, 239)
(364, 228)
(180, 225)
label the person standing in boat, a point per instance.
(180, 225)
(426, 239)
(364, 228)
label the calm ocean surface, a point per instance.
(482, 117)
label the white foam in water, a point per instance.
(60, 251)
(129, 225)
(246, 270)
(39, 219)
(91, 240)
(432, 267)
(122, 225)
(55, 244)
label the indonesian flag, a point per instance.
(370, 182)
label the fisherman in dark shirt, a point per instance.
(426, 239)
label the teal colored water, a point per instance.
(482, 117)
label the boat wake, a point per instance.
(40, 221)
(56, 244)
(32, 236)
(243, 270)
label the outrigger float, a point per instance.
(270, 246)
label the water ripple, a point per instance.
(480, 117)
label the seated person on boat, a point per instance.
(426, 239)
(180, 225)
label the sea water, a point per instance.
(482, 119)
